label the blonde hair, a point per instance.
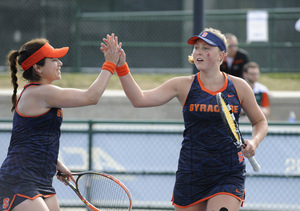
(215, 32)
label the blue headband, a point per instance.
(209, 38)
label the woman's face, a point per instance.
(51, 70)
(206, 56)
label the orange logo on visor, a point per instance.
(204, 34)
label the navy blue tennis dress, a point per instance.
(30, 165)
(209, 163)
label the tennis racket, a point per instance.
(232, 127)
(100, 191)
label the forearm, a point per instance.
(60, 165)
(97, 88)
(63, 169)
(132, 90)
(259, 131)
(111, 54)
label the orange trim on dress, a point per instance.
(209, 197)
(23, 115)
(25, 87)
(211, 92)
(27, 197)
(224, 193)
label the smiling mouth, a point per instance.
(200, 60)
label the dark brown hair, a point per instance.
(19, 56)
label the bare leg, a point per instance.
(52, 203)
(227, 201)
(197, 207)
(37, 204)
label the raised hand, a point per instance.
(122, 54)
(111, 48)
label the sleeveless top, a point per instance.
(33, 150)
(207, 148)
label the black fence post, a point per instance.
(198, 21)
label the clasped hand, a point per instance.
(112, 50)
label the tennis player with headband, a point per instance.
(211, 170)
(27, 172)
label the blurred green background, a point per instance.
(153, 33)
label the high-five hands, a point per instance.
(111, 44)
(112, 49)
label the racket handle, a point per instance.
(254, 164)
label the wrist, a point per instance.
(109, 66)
(120, 64)
(122, 70)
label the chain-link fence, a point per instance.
(144, 156)
(155, 40)
(22, 21)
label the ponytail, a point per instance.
(12, 60)
(15, 58)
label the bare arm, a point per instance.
(63, 169)
(257, 118)
(158, 96)
(58, 97)
(48, 95)
(154, 97)
(54, 96)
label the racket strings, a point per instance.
(231, 121)
(232, 126)
(229, 118)
(103, 193)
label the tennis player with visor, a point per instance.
(211, 169)
(27, 173)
